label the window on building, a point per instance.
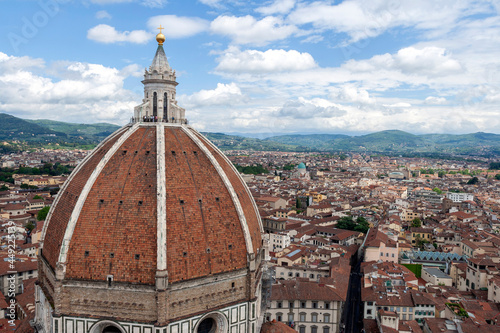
(302, 329)
(290, 317)
(314, 329)
(279, 316)
(404, 316)
(369, 311)
(290, 274)
(279, 305)
(410, 317)
(392, 255)
(314, 317)
(326, 318)
(302, 316)
(315, 305)
(290, 305)
(326, 329)
(370, 303)
(303, 305)
(327, 305)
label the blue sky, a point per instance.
(278, 66)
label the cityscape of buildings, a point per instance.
(429, 261)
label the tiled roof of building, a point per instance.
(303, 289)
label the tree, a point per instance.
(473, 181)
(30, 226)
(25, 186)
(37, 197)
(42, 214)
(497, 176)
(362, 225)
(416, 223)
(346, 223)
(495, 166)
(437, 190)
(4, 188)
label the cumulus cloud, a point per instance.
(315, 108)
(106, 34)
(84, 93)
(398, 105)
(351, 94)
(277, 7)
(361, 19)
(253, 61)
(248, 30)
(178, 26)
(430, 61)
(224, 94)
(102, 14)
(432, 100)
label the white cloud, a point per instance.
(83, 93)
(313, 39)
(224, 94)
(211, 3)
(351, 94)
(154, 3)
(277, 7)
(247, 30)
(253, 61)
(178, 26)
(429, 61)
(361, 19)
(308, 109)
(106, 34)
(102, 14)
(435, 100)
(398, 105)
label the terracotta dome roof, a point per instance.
(152, 197)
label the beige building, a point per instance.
(436, 276)
(308, 307)
(379, 247)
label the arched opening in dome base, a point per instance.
(111, 329)
(212, 323)
(106, 326)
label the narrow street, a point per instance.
(352, 316)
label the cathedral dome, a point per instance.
(152, 197)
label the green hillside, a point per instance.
(308, 142)
(13, 128)
(98, 130)
(25, 134)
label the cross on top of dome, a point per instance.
(160, 38)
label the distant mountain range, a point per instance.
(37, 133)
